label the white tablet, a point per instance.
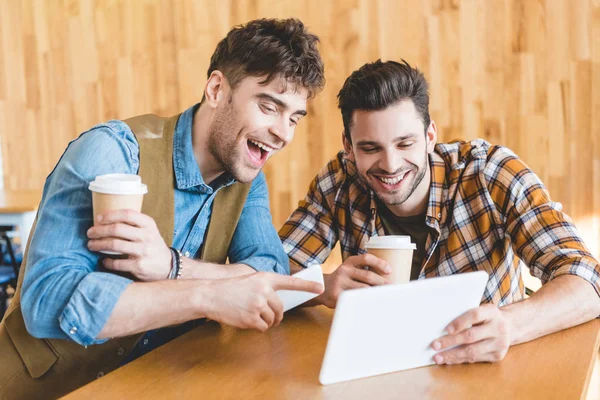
(390, 328)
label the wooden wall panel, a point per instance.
(522, 73)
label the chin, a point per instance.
(386, 199)
(391, 199)
(245, 175)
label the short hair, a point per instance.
(274, 48)
(377, 85)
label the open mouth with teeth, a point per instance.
(259, 152)
(390, 183)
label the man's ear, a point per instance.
(347, 146)
(431, 137)
(215, 88)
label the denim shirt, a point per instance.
(65, 295)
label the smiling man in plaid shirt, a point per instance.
(467, 205)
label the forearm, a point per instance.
(562, 303)
(196, 269)
(149, 305)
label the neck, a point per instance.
(210, 168)
(418, 201)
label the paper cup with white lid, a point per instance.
(397, 251)
(117, 192)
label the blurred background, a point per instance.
(521, 73)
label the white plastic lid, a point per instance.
(391, 242)
(126, 184)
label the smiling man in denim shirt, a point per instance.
(74, 300)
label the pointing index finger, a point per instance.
(282, 282)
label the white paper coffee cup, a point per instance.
(117, 192)
(397, 251)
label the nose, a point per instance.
(283, 131)
(390, 162)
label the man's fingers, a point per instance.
(130, 217)
(375, 264)
(275, 304)
(368, 277)
(283, 282)
(119, 265)
(268, 316)
(472, 317)
(471, 353)
(115, 245)
(260, 325)
(116, 230)
(468, 336)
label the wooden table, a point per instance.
(18, 209)
(214, 362)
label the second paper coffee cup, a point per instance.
(397, 251)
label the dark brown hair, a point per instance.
(272, 48)
(377, 85)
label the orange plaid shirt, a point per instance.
(487, 210)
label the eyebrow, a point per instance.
(396, 140)
(280, 103)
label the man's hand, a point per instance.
(135, 235)
(481, 334)
(250, 301)
(352, 274)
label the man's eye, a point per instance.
(268, 109)
(369, 149)
(405, 145)
(293, 122)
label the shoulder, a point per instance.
(334, 174)
(503, 167)
(459, 153)
(479, 156)
(106, 148)
(108, 135)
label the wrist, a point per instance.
(510, 317)
(324, 298)
(203, 298)
(235, 270)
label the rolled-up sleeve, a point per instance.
(64, 295)
(255, 241)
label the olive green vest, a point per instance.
(49, 368)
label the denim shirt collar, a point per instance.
(187, 171)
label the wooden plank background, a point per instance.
(522, 73)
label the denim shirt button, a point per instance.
(73, 330)
(145, 342)
(100, 375)
(120, 351)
